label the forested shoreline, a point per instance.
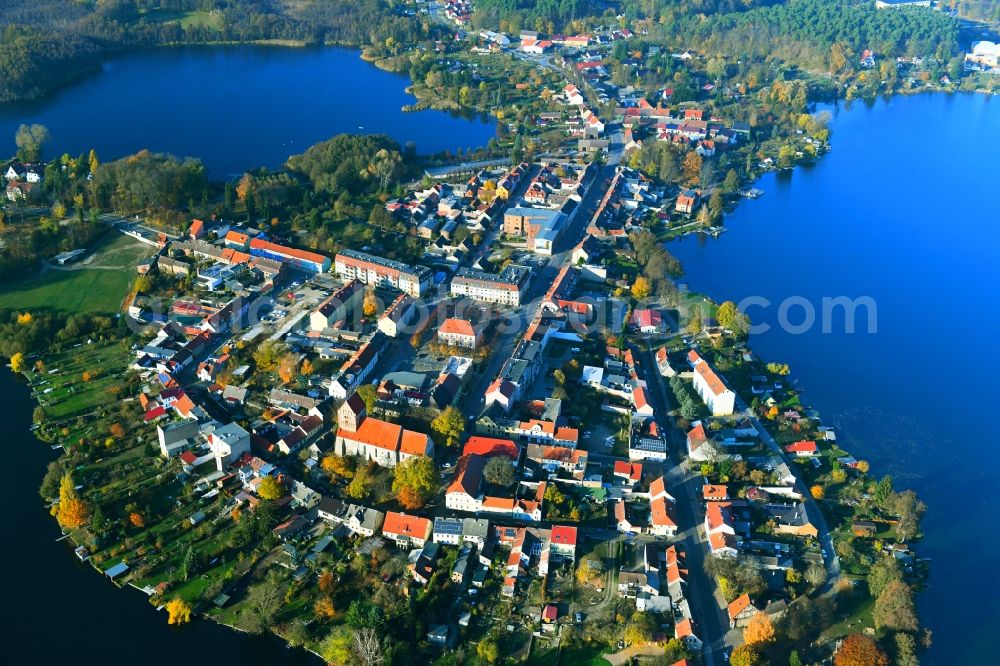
(47, 43)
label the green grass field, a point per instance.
(186, 19)
(82, 288)
(69, 393)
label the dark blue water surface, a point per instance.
(97, 622)
(905, 210)
(235, 107)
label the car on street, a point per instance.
(446, 466)
(578, 617)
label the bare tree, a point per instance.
(368, 647)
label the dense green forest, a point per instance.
(803, 32)
(45, 43)
(978, 10)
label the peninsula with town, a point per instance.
(462, 408)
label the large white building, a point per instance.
(382, 272)
(718, 397)
(228, 443)
(504, 288)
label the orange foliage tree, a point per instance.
(324, 608)
(760, 629)
(72, 511)
(860, 650)
(288, 367)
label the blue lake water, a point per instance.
(905, 210)
(235, 107)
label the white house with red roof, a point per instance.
(803, 449)
(640, 399)
(647, 320)
(718, 397)
(720, 528)
(406, 530)
(661, 517)
(740, 611)
(501, 392)
(630, 473)
(563, 538)
(460, 333)
(700, 447)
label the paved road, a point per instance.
(543, 276)
(707, 604)
(830, 559)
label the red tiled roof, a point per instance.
(740, 604)
(260, 244)
(406, 525)
(413, 443)
(628, 469)
(564, 535)
(375, 432)
(491, 446)
(802, 447)
(468, 475)
(660, 512)
(715, 492)
(236, 237)
(455, 326)
(639, 397)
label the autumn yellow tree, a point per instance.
(306, 368)
(270, 488)
(371, 303)
(23, 318)
(641, 288)
(759, 630)
(88, 375)
(449, 425)
(817, 492)
(178, 611)
(136, 519)
(416, 481)
(745, 655)
(337, 466)
(73, 511)
(17, 362)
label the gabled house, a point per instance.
(699, 447)
(740, 611)
(803, 449)
(406, 530)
